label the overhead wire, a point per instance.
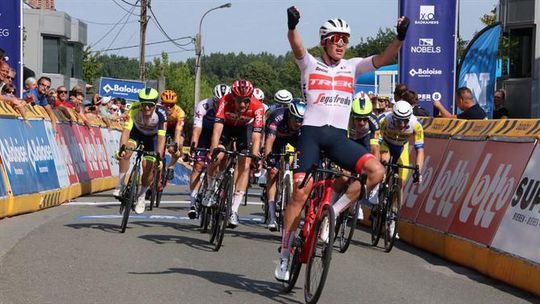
(123, 8)
(121, 28)
(149, 43)
(156, 21)
(109, 31)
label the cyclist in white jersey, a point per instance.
(327, 85)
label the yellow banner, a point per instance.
(478, 128)
(518, 128)
(443, 126)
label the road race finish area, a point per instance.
(75, 254)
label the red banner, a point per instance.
(72, 138)
(450, 184)
(84, 139)
(496, 177)
(63, 147)
(414, 195)
(99, 149)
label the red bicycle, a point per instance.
(314, 243)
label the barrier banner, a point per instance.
(111, 138)
(83, 137)
(66, 154)
(181, 173)
(70, 136)
(11, 37)
(453, 175)
(3, 188)
(19, 171)
(427, 57)
(100, 153)
(519, 230)
(59, 159)
(490, 191)
(413, 194)
(41, 155)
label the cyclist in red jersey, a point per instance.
(328, 87)
(235, 112)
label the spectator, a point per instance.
(11, 76)
(105, 104)
(9, 90)
(38, 97)
(465, 102)
(4, 73)
(52, 97)
(30, 83)
(500, 111)
(77, 99)
(411, 97)
(399, 90)
(62, 100)
(114, 111)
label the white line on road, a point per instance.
(118, 203)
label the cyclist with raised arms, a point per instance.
(235, 112)
(327, 85)
(203, 124)
(175, 124)
(282, 128)
(147, 124)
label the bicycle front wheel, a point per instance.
(377, 219)
(129, 197)
(287, 192)
(347, 227)
(392, 218)
(320, 255)
(163, 184)
(225, 203)
(294, 266)
(154, 189)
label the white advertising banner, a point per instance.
(111, 138)
(60, 160)
(519, 231)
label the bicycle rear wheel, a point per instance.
(129, 197)
(162, 185)
(287, 192)
(347, 227)
(320, 255)
(294, 266)
(225, 202)
(392, 218)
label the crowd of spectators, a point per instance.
(59, 99)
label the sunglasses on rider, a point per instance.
(297, 119)
(149, 105)
(338, 38)
(401, 121)
(245, 100)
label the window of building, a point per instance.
(51, 55)
(520, 52)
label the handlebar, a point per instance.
(315, 168)
(240, 154)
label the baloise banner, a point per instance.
(427, 58)
(10, 36)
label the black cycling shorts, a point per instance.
(334, 142)
(240, 134)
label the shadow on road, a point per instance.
(195, 243)
(237, 283)
(110, 228)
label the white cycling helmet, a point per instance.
(258, 94)
(402, 110)
(283, 97)
(334, 26)
(221, 90)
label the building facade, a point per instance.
(520, 20)
(54, 44)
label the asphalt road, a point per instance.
(74, 253)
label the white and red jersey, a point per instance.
(226, 113)
(328, 90)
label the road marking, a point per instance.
(250, 219)
(118, 203)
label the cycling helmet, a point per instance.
(168, 96)
(402, 110)
(334, 26)
(283, 97)
(362, 106)
(297, 107)
(242, 88)
(221, 90)
(148, 95)
(258, 94)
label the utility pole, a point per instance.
(144, 22)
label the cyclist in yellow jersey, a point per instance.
(175, 124)
(396, 128)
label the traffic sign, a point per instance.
(120, 88)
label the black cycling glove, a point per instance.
(402, 28)
(293, 16)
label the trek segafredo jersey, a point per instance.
(328, 90)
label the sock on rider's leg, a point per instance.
(237, 200)
(122, 178)
(272, 210)
(285, 242)
(341, 204)
(142, 191)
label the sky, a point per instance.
(249, 26)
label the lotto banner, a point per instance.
(490, 190)
(71, 137)
(449, 186)
(415, 194)
(60, 159)
(65, 152)
(111, 138)
(427, 57)
(11, 36)
(519, 230)
(94, 157)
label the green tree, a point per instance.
(92, 66)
